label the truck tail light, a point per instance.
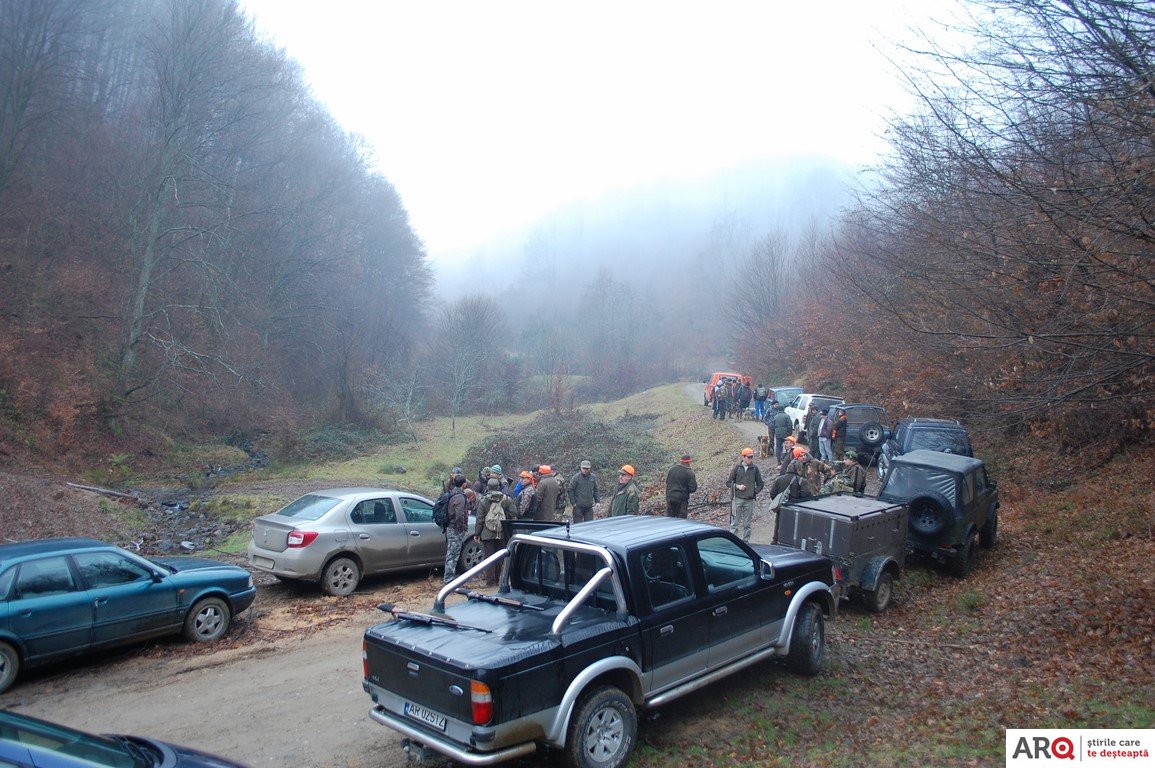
(836, 573)
(364, 660)
(481, 702)
(299, 539)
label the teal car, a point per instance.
(65, 597)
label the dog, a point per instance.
(764, 446)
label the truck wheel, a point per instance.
(883, 465)
(989, 535)
(877, 600)
(963, 562)
(472, 553)
(601, 734)
(808, 641)
(928, 513)
(871, 434)
(207, 621)
(9, 666)
(340, 577)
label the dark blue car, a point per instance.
(27, 742)
(63, 597)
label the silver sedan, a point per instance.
(339, 535)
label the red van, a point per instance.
(708, 397)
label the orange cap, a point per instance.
(747, 451)
(545, 469)
(525, 475)
(628, 469)
(798, 452)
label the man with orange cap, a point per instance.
(548, 490)
(745, 483)
(626, 496)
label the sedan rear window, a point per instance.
(310, 507)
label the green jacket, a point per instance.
(625, 499)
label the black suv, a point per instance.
(911, 434)
(952, 502)
(865, 432)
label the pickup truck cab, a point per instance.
(797, 409)
(590, 625)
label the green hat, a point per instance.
(850, 455)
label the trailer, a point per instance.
(864, 537)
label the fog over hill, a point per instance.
(650, 235)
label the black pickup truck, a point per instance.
(589, 626)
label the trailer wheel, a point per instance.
(877, 599)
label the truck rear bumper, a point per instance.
(447, 748)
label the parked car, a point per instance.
(864, 537)
(865, 432)
(798, 407)
(953, 505)
(339, 535)
(708, 394)
(784, 395)
(912, 434)
(65, 597)
(29, 742)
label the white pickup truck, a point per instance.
(799, 406)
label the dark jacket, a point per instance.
(457, 514)
(799, 486)
(750, 476)
(680, 482)
(583, 489)
(548, 490)
(782, 425)
(507, 505)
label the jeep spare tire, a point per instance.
(929, 513)
(871, 434)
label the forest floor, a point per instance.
(1054, 629)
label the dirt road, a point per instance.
(288, 695)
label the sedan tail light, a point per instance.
(481, 702)
(299, 539)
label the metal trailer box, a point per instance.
(863, 536)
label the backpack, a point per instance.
(562, 494)
(441, 511)
(494, 515)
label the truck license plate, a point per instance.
(425, 716)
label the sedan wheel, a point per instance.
(472, 553)
(341, 577)
(207, 621)
(9, 666)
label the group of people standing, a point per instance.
(731, 397)
(540, 493)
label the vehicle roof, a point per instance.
(17, 549)
(629, 532)
(858, 405)
(845, 505)
(912, 420)
(949, 461)
(820, 394)
(349, 492)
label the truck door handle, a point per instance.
(364, 536)
(666, 630)
(721, 610)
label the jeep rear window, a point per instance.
(825, 402)
(862, 415)
(905, 482)
(944, 440)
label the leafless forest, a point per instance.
(189, 244)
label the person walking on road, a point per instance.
(745, 483)
(680, 483)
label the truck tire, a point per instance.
(340, 577)
(989, 535)
(602, 731)
(871, 434)
(964, 560)
(9, 666)
(877, 599)
(929, 513)
(808, 640)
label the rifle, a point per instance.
(496, 599)
(426, 618)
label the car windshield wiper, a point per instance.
(497, 599)
(427, 618)
(143, 756)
